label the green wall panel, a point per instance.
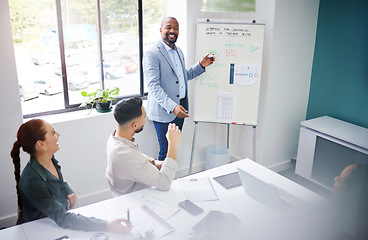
(339, 83)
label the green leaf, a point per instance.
(105, 94)
(148, 235)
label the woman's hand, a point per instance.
(71, 200)
(117, 226)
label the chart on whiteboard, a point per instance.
(245, 74)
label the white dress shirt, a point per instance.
(174, 56)
(128, 169)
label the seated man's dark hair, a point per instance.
(128, 109)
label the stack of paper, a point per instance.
(197, 189)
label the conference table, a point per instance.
(15, 232)
(235, 201)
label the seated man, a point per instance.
(128, 169)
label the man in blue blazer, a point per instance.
(166, 76)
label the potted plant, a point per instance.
(100, 99)
(148, 235)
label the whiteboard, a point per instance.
(228, 92)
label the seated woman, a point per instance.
(344, 216)
(351, 192)
(41, 189)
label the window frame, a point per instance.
(75, 107)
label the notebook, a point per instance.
(229, 180)
(145, 221)
(267, 194)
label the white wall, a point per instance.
(11, 116)
(288, 52)
(285, 99)
(290, 27)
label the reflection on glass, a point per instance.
(120, 46)
(153, 13)
(81, 48)
(37, 54)
(37, 50)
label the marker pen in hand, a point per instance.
(212, 55)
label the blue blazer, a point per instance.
(163, 82)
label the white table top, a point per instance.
(339, 129)
(15, 232)
(234, 201)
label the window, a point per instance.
(102, 42)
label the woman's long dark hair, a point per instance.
(28, 135)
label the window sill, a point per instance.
(76, 115)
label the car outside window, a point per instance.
(92, 55)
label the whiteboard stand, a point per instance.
(227, 142)
(254, 143)
(193, 144)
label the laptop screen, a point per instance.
(262, 192)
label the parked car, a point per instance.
(48, 84)
(28, 91)
(113, 69)
(77, 79)
(130, 62)
(111, 45)
(94, 75)
(133, 57)
(112, 41)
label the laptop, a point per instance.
(267, 194)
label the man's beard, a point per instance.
(139, 130)
(167, 38)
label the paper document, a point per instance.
(226, 107)
(197, 189)
(147, 222)
(161, 208)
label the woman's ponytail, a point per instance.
(16, 161)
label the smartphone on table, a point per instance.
(190, 207)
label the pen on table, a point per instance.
(128, 217)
